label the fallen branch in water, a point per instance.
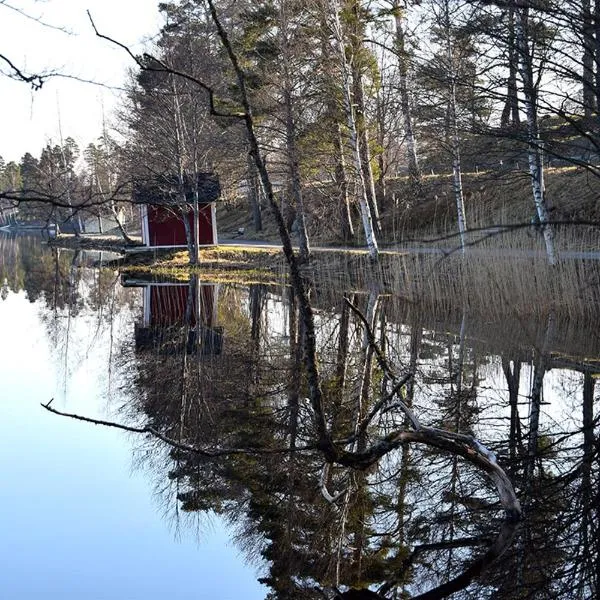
(209, 453)
(323, 486)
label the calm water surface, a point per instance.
(93, 512)
(80, 514)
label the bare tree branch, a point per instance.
(158, 66)
(36, 80)
(37, 20)
(209, 453)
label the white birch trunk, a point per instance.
(365, 212)
(414, 170)
(458, 195)
(356, 66)
(534, 144)
(455, 137)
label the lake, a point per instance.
(217, 482)
(83, 515)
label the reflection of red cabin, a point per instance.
(169, 309)
(165, 202)
(166, 304)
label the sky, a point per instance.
(62, 40)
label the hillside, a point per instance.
(493, 197)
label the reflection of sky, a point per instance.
(74, 521)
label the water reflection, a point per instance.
(418, 519)
(176, 316)
(219, 368)
(76, 522)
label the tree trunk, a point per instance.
(597, 51)
(341, 177)
(588, 506)
(534, 143)
(120, 226)
(513, 378)
(510, 114)
(453, 135)
(414, 171)
(254, 195)
(589, 97)
(295, 371)
(184, 208)
(367, 219)
(367, 356)
(290, 135)
(539, 371)
(363, 146)
(189, 235)
(341, 363)
(380, 189)
(458, 192)
(358, 97)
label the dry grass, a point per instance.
(243, 265)
(491, 278)
(493, 284)
(492, 198)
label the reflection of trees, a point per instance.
(423, 515)
(274, 499)
(16, 254)
(65, 291)
(45, 274)
(555, 465)
(319, 527)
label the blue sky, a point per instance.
(28, 119)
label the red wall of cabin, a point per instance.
(166, 227)
(168, 305)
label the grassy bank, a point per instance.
(493, 197)
(219, 264)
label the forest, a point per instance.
(373, 121)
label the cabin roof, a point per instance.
(165, 190)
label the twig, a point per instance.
(36, 80)
(164, 68)
(37, 20)
(170, 441)
(384, 364)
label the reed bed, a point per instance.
(486, 279)
(505, 302)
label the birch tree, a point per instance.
(535, 148)
(452, 119)
(291, 147)
(354, 17)
(446, 76)
(399, 8)
(333, 9)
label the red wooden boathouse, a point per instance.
(165, 201)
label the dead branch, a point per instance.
(209, 453)
(159, 66)
(323, 486)
(36, 80)
(386, 367)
